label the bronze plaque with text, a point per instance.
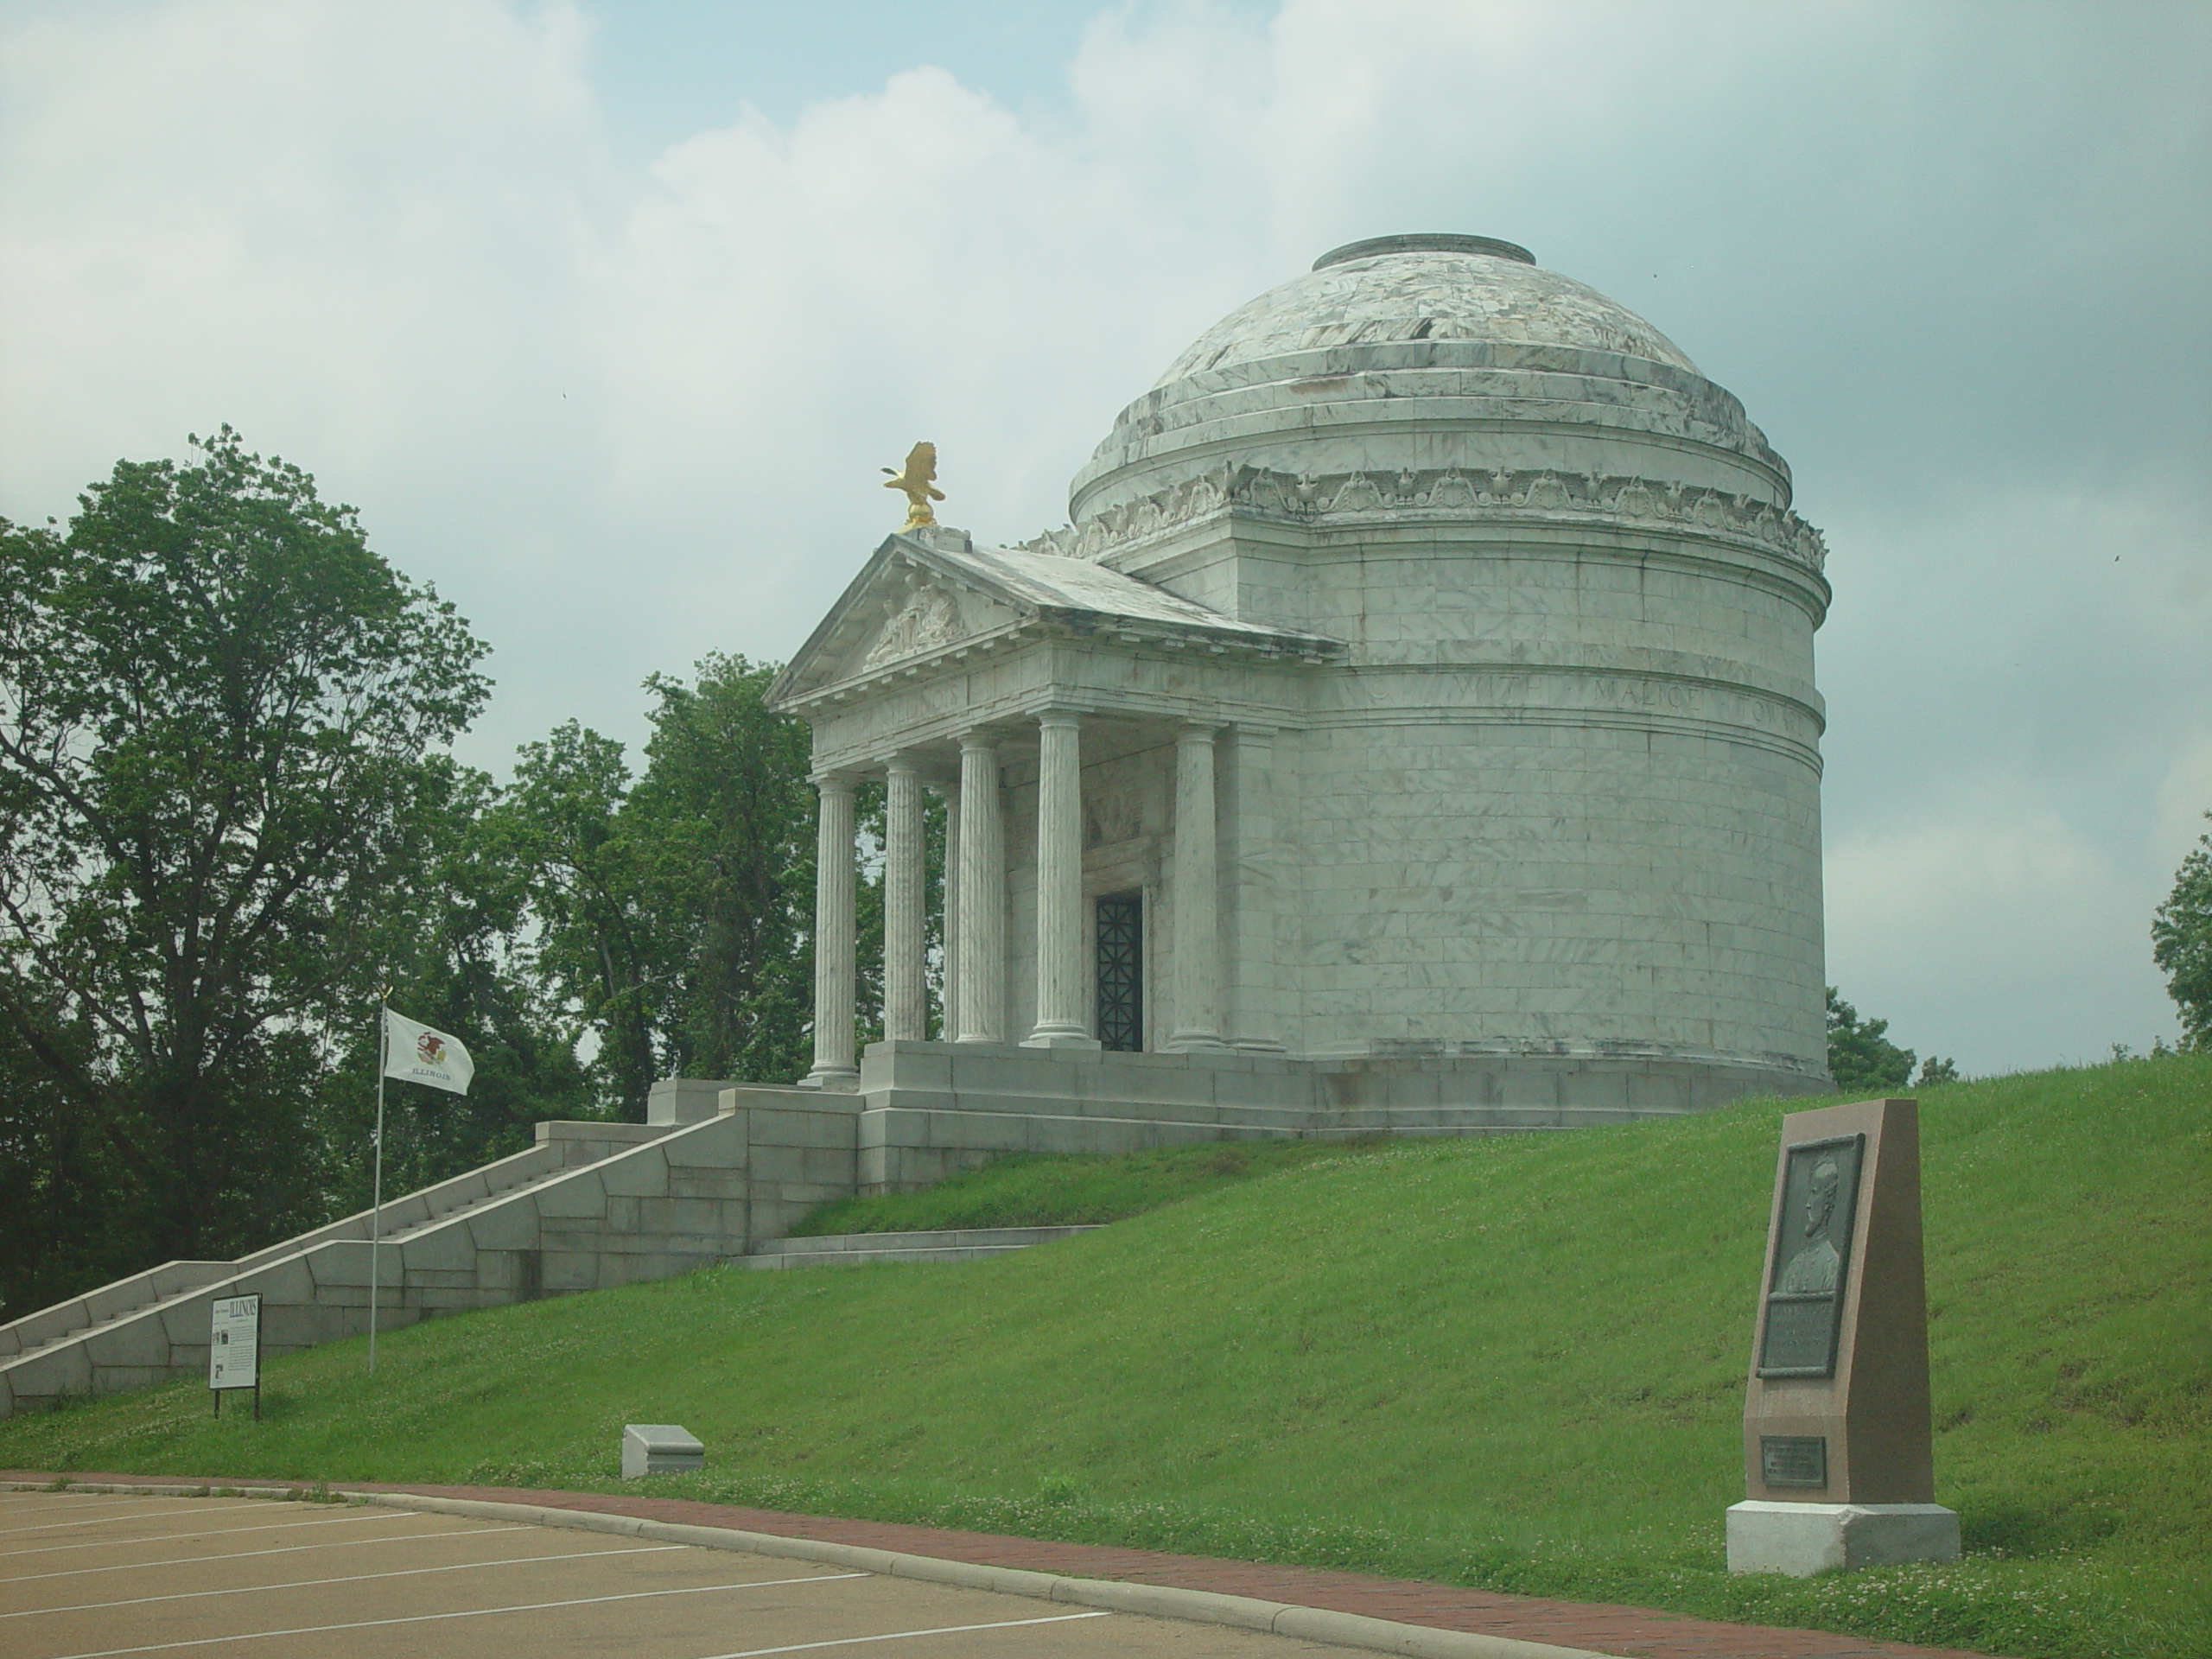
(1794, 1459)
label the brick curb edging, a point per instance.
(1116, 1578)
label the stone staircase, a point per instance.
(476, 1240)
(860, 1249)
(589, 1205)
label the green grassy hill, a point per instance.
(1513, 1361)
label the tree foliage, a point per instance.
(1861, 1059)
(454, 942)
(675, 910)
(219, 714)
(2181, 943)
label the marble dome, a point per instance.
(1397, 289)
(1417, 353)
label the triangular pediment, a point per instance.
(910, 601)
(922, 594)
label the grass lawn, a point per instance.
(1515, 1362)
(1038, 1189)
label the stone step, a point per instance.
(115, 1315)
(127, 1332)
(859, 1250)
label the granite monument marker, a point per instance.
(1839, 1459)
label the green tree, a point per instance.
(1861, 1059)
(55, 1179)
(219, 714)
(2181, 943)
(454, 942)
(600, 952)
(675, 908)
(723, 823)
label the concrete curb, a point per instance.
(1160, 1601)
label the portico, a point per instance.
(1077, 740)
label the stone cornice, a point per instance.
(1522, 496)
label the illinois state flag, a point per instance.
(422, 1055)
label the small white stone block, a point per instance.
(1803, 1538)
(659, 1449)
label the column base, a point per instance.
(1803, 1538)
(1189, 1039)
(833, 1079)
(1060, 1037)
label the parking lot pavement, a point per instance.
(97, 1576)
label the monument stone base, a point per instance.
(1803, 1538)
(660, 1449)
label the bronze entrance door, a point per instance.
(1120, 971)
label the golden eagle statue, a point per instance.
(916, 484)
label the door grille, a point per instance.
(1120, 971)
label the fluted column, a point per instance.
(1060, 1023)
(905, 1011)
(983, 894)
(834, 988)
(951, 1028)
(1251, 890)
(1196, 897)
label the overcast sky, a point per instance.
(606, 314)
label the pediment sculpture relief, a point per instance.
(929, 620)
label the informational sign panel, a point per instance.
(234, 1343)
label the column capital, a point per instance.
(834, 779)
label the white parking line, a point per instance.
(247, 1555)
(901, 1635)
(228, 1532)
(350, 1577)
(135, 1514)
(472, 1613)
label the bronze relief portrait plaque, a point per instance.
(1812, 1257)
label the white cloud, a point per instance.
(2004, 938)
(625, 417)
(2182, 803)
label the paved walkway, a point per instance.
(1635, 1632)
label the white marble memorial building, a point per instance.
(1414, 728)
(1414, 731)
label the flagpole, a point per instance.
(375, 1212)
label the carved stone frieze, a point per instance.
(929, 620)
(1577, 497)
